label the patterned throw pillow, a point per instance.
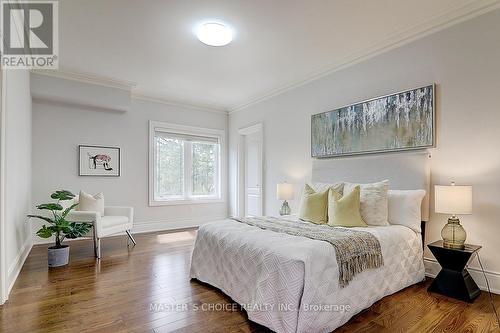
(374, 202)
(344, 211)
(314, 205)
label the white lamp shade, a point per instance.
(284, 191)
(453, 199)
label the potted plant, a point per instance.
(58, 255)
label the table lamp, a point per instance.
(455, 200)
(284, 191)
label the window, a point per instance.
(185, 164)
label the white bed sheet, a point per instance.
(290, 284)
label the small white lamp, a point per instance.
(455, 200)
(284, 191)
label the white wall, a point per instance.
(17, 145)
(464, 61)
(58, 129)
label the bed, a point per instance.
(289, 283)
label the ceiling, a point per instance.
(279, 43)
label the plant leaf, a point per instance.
(68, 210)
(53, 228)
(62, 195)
(44, 232)
(62, 222)
(50, 206)
(47, 219)
(77, 230)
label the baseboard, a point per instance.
(165, 225)
(17, 265)
(432, 268)
(42, 241)
(141, 227)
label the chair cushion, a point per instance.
(112, 221)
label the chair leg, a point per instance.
(130, 236)
(98, 249)
(94, 237)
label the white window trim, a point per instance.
(188, 130)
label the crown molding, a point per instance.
(180, 103)
(433, 25)
(129, 86)
(65, 101)
(109, 82)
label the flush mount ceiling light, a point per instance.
(214, 33)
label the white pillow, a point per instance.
(405, 208)
(90, 203)
(374, 206)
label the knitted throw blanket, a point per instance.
(355, 250)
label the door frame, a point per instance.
(3, 239)
(241, 178)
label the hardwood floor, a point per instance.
(119, 293)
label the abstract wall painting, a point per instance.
(401, 121)
(99, 161)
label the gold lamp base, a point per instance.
(453, 246)
(453, 234)
(285, 209)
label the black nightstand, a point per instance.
(454, 280)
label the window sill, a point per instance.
(156, 203)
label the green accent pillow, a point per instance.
(314, 206)
(344, 211)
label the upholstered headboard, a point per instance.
(405, 171)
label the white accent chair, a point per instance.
(116, 219)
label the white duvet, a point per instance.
(290, 284)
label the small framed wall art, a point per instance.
(98, 161)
